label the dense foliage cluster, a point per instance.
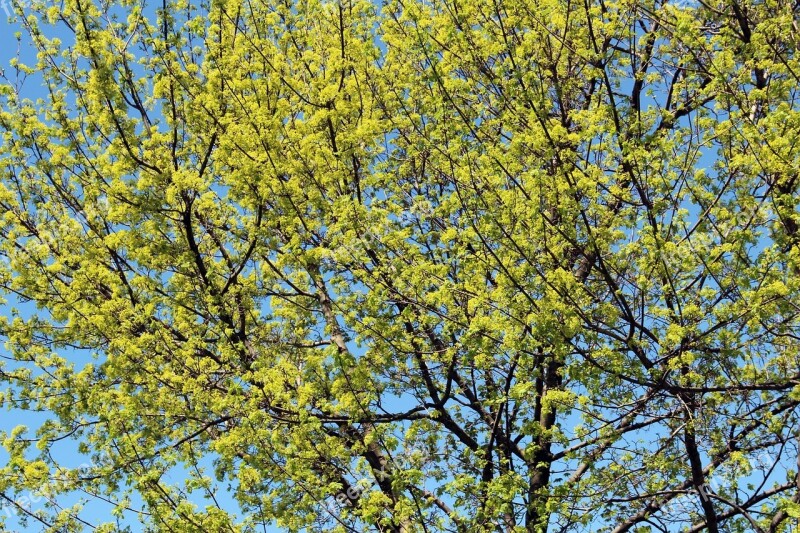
(414, 265)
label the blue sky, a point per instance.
(9, 47)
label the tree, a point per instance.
(518, 265)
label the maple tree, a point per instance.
(514, 265)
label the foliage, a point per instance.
(515, 265)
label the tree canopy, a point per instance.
(404, 266)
